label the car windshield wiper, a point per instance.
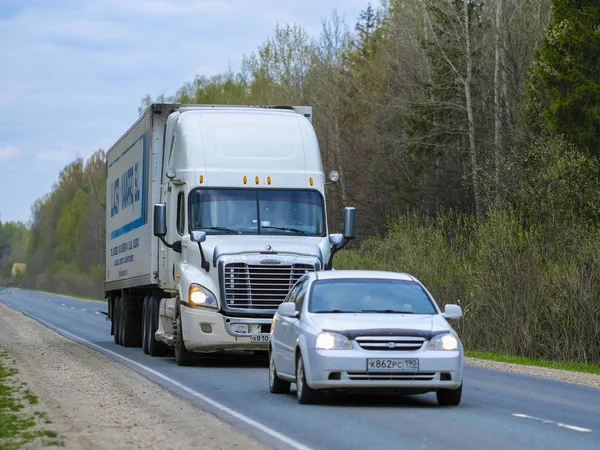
(295, 230)
(334, 311)
(387, 311)
(225, 229)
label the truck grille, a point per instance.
(395, 343)
(260, 286)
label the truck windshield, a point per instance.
(254, 211)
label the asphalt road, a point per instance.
(498, 410)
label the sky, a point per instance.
(73, 72)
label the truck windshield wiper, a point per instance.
(295, 230)
(227, 230)
(386, 311)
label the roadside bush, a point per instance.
(525, 290)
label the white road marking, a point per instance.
(83, 309)
(64, 304)
(259, 426)
(72, 307)
(563, 425)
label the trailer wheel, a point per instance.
(117, 320)
(155, 348)
(145, 317)
(132, 330)
(183, 357)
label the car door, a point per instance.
(290, 331)
(278, 338)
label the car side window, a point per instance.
(292, 294)
(299, 299)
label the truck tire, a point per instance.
(155, 348)
(116, 320)
(131, 324)
(182, 356)
(145, 320)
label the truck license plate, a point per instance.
(390, 365)
(260, 338)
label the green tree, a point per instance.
(564, 84)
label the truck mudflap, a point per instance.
(208, 331)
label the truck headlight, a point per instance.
(200, 296)
(443, 342)
(332, 341)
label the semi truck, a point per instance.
(213, 212)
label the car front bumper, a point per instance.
(347, 369)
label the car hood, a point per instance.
(375, 324)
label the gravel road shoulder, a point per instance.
(566, 376)
(97, 403)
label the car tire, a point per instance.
(449, 397)
(276, 384)
(183, 357)
(305, 394)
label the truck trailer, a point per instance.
(213, 213)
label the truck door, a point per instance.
(175, 230)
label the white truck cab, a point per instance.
(239, 210)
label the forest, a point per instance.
(465, 133)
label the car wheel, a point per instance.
(276, 384)
(306, 395)
(449, 397)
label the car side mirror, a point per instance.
(453, 312)
(198, 236)
(287, 309)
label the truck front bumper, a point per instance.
(206, 330)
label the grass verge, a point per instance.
(19, 423)
(572, 366)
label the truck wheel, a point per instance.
(306, 395)
(449, 397)
(132, 330)
(116, 320)
(155, 348)
(145, 317)
(182, 356)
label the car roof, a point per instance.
(354, 274)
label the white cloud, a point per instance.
(8, 153)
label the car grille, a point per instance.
(394, 343)
(423, 376)
(260, 286)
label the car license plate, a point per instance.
(388, 365)
(259, 338)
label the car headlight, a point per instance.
(199, 296)
(332, 341)
(443, 342)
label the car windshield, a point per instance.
(369, 296)
(255, 211)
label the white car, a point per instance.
(351, 329)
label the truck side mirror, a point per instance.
(349, 222)
(160, 220)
